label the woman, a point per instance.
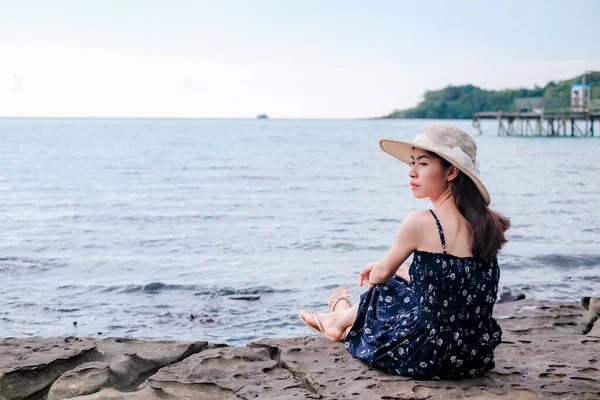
(434, 319)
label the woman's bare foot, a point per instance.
(339, 299)
(329, 321)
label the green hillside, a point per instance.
(460, 102)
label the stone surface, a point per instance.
(67, 367)
(85, 379)
(232, 372)
(549, 350)
(126, 363)
(544, 353)
(29, 366)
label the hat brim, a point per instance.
(402, 150)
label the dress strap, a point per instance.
(437, 221)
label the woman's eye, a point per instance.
(412, 164)
(423, 163)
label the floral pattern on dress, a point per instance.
(437, 326)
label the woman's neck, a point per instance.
(444, 200)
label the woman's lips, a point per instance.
(413, 186)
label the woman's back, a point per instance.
(454, 290)
(455, 297)
(457, 230)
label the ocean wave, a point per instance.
(199, 290)
(158, 218)
(388, 220)
(228, 291)
(344, 246)
(566, 260)
(510, 264)
(22, 265)
(378, 248)
(591, 230)
(256, 178)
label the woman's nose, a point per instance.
(411, 172)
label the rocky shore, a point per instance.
(549, 350)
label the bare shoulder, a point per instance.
(415, 221)
(418, 217)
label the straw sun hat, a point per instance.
(447, 141)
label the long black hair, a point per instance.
(488, 226)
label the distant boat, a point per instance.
(262, 116)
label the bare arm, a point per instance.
(405, 243)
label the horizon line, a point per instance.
(156, 117)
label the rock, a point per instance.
(546, 350)
(84, 379)
(232, 372)
(595, 329)
(65, 367)
(132, 361)
(531, 362)
(592, 304)
(112, 394)
(549, 350)
(506, 296)
(29, 366)
(543, 318)
(126, 364)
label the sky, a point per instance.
(288, 59)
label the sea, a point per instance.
(222, 230)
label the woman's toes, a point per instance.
(328, 323)
(308, 317)
(339, 299)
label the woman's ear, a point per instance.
(452, 173)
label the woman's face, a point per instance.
(428, 178)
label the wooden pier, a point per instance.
(542, 124)
(539, 116)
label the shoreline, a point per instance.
(531, 362)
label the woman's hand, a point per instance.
(363, 276)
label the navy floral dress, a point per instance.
(437, 326)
